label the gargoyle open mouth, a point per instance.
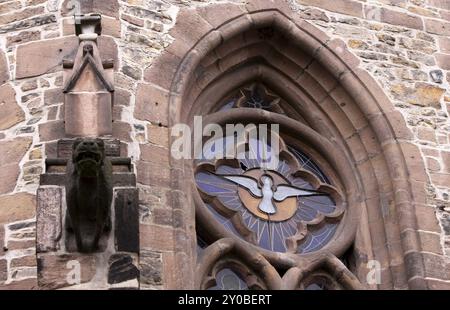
(87, 155)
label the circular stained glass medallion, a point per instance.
(292, 207)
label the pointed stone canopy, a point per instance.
(88, 84)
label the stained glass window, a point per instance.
(227, 279)
(255, 95)
(278, 209)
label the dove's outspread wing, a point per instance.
(246, 182)
(285, 191)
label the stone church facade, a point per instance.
(360, 90)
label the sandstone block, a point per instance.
(346, 7)
(150, 267)
(26, 284)
(20, 15)
(158, 135)
(443, 61)
(109, 8)
(51, 131)
(10, 112)
(152, 104)
(126, 220)
(29, 23)
(121, 268)
(22, 37)
(4, 70)
(393, 17)
(53, 96)
(17, 207)
(3, 270)
(423, 94)
(57, 271)
(43, 57)
(160, 238)
(48, 219)
(12, 152)
(437, 27)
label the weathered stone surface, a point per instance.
(121, 97)
(440, 179)
(442, 4)
(24, 261)
(2, 240)
(156, 237)
(424, 95)
(9, 6)
(22, 37)
(28, 23)
(48, 218)
(437, 27)
(121, 268)
(393, 17)
(133, 20)
(20, 15)
(110, 26)
(121, 130)
(158, 135)
(110, 8)
(150, 267)
(36, 2)
(10, 112)
(43, 57)
(426, 133)
(4, 70)
(51, 131)
(420, 57)
(347, 7)
(12, 152)
(53, 96)
(54, 271)
(152, 104)
(444, 44)
(127, 220)
(29, 97)
(443, 61)
(29, 85)
(17, 207)
(21, 225)
(417, 45)
(3, 270)
(437, 76)
(153, 174)
(38, 58)
(161, 72)
(134, 73)
(26, 284)
(155, 154)
(20, 245)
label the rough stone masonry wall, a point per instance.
(404, 44)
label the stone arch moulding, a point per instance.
(392, 221)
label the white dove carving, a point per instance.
(267, 193)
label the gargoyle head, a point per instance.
(87, 156)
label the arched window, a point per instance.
(295, 206)
(341, 142)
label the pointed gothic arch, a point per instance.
(340, 101)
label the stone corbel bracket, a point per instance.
(114, 266)
(88, 84)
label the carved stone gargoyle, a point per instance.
(88, 193)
